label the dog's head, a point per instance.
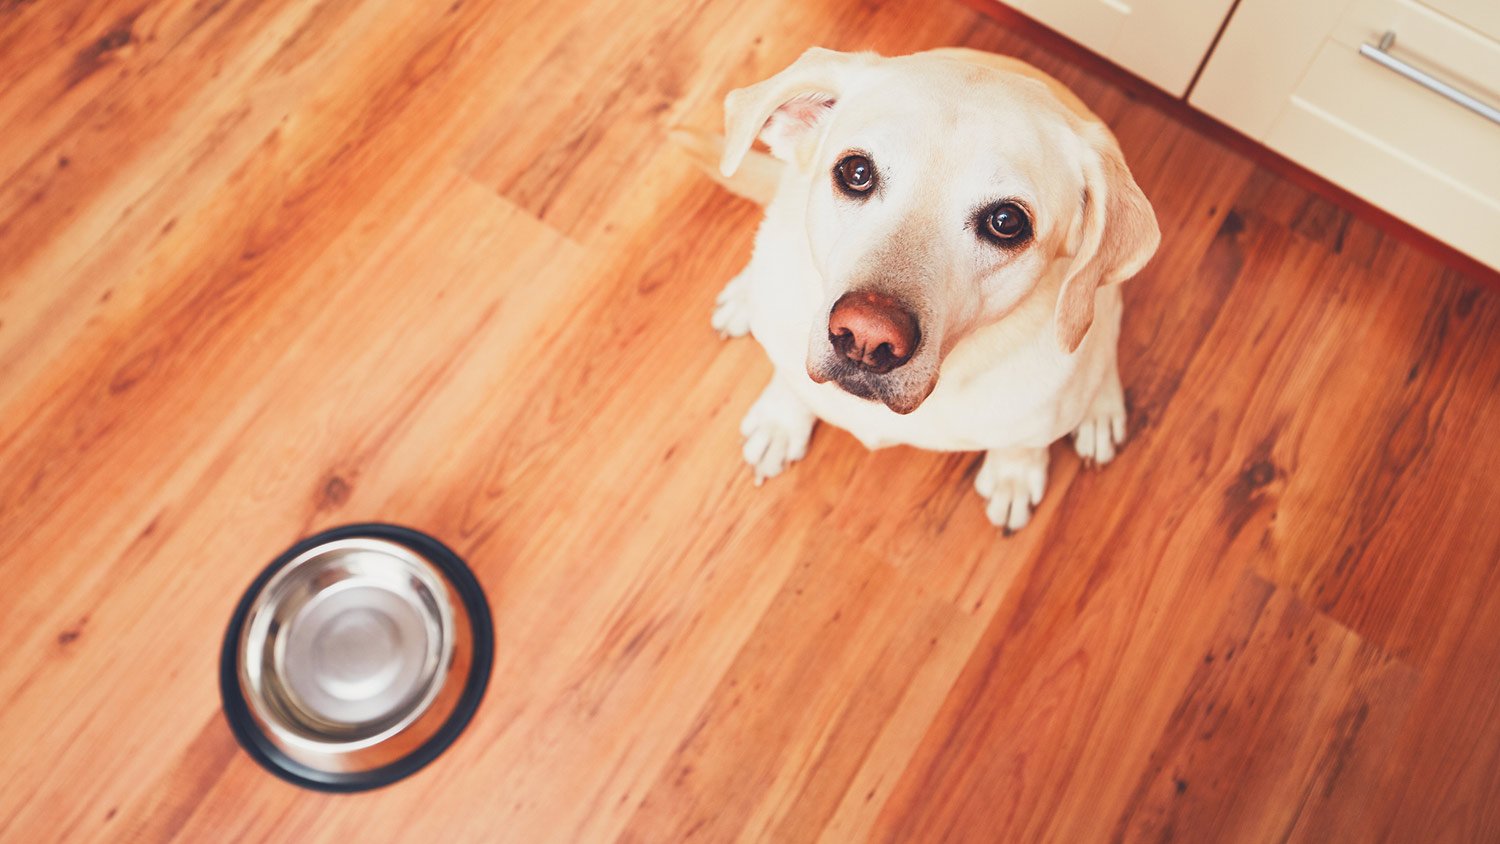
(941, 193)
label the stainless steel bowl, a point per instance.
(356, 657)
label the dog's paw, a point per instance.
(1012, 481)
(732, 309)
(776, 430)
(1103, 429)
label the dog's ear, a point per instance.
(784, 109)
(1118, 234)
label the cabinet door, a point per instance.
(1162, 41)
(1290, 74)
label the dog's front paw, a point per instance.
(1103, 428)
(1012, 481)
(732, 309)
(776, 431)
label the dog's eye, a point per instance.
(855, 174)
(1007, 224)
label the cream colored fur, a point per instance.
(1018, 346)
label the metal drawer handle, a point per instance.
(1378, 53)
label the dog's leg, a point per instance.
(1012, 480)
(776, 431)
(732, 309)
(1103, 428)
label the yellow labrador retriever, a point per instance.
(938, 265)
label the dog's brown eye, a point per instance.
(1007, 223)
(855, 174)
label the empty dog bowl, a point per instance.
(356, 657)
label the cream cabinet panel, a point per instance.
(1289, 73)
(1162, 41)
(1480, 15)
(1261, 57)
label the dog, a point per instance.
(939, 264)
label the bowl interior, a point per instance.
(347, 644)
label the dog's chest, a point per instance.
(999, 409)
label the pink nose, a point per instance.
(873, 330)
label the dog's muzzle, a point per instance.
(872, 337)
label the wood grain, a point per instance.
(271, 267)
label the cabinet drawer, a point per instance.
(1305, 91)
(1162, 41)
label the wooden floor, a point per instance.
(269, 266)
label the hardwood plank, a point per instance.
(1440, 780)
(846, 643)
(1423, 386)
(1287, 740)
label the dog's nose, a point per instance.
(873, 330)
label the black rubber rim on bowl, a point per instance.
(248, 733)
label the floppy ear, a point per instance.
(1119, 234)
(784, 109)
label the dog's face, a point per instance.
(939, 195)
(934, 210)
